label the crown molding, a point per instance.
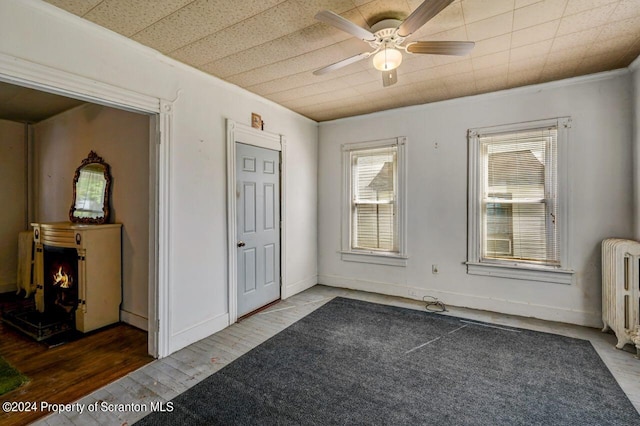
(69, 19)
(534, 88)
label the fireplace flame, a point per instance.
(62, 279)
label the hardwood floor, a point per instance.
(165, 378)
(68, 372)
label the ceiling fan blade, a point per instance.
(427, 10)
(389, 77)
(459, 48)
(342, 63)
(345, 25)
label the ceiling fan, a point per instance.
(387, 36)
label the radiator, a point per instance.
(620, 288)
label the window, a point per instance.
(373, 208)
(517, 208)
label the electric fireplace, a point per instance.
(78, 273)
(78, 277)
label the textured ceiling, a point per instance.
(271, 47)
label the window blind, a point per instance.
(374, 181)
(519, 196)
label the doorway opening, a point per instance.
(49, 129)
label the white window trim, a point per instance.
(371, 256)
(524, 271)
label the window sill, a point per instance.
(558, 276)
(376, 258)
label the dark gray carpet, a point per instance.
(353, 362)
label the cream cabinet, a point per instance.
(91, 266)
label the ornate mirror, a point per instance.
(91, 189)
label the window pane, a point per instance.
(374, 182)
(499, 219)
(374, 174)
(375, 227)
(519, 190)
(517, 231)
(517, 168)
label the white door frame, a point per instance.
(238, 132)
(24, 73)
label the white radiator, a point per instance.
(620, 288)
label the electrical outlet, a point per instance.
(434, 269)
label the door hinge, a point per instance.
(158, 324)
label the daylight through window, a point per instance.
(518, 205)
(374, 208)
(373, 222)
(518, 196)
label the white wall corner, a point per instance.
(634, 68)
(135, 320)
(197, 332)
(635, 65)
(299, 286)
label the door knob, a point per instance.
(241, 244)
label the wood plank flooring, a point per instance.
(164, 379)
(65, 373)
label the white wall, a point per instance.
(121, 138)
(600, 206)
(635, 78)
(36, 32)
(13, 193)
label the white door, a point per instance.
(258, 219)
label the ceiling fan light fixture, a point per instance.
(386, 38)
(387, 59)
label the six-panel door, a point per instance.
(258, 219)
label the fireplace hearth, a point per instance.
(40, 325)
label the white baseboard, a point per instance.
(8, 288)
(208, 327)
(299, 286)
(134, 320)
(504, 306)
(197, 332)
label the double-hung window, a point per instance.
(517, 208)
(374, 197)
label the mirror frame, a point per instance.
(92, 158)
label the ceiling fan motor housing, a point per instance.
(386, 32)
